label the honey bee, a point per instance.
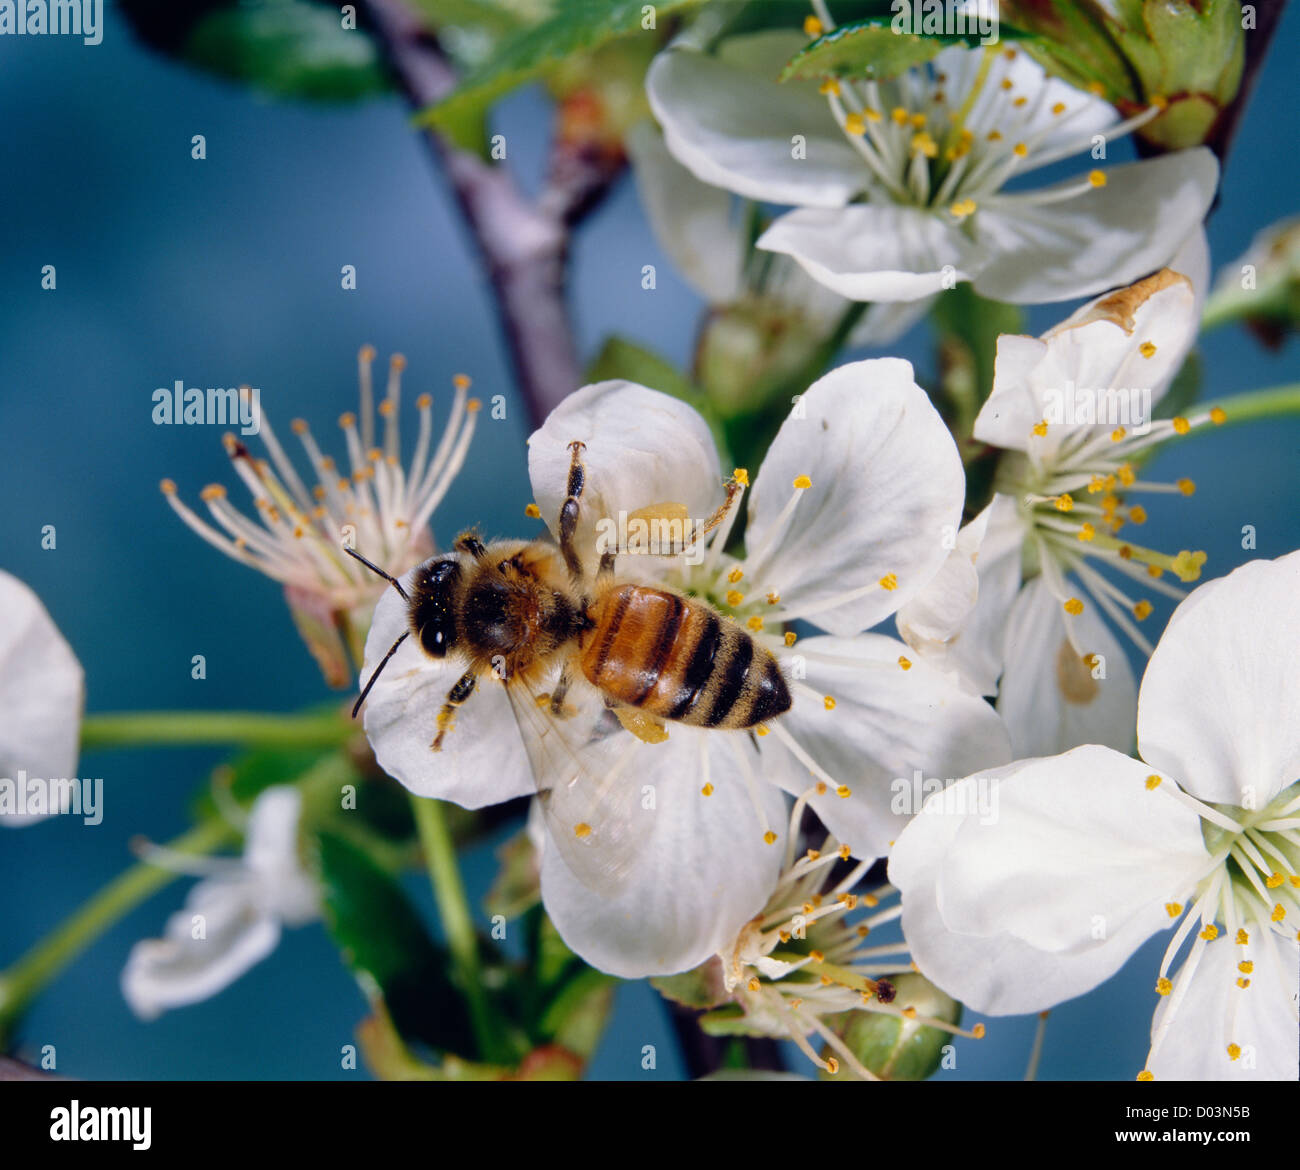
(583, 657)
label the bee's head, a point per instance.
(436, 592)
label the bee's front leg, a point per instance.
(455, 697)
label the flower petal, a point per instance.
(41, 693)
(704, 869)
(180, 969)
(692, 221)
(1050, 699)
(482, 760)
(1220, 702)
(890, 731)
(874, 251)
(732, 125)
(1215, 1012)
(641, 448)
(1098, 239)
(1035, 882)
(887, 489)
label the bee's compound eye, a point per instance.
(434, 640)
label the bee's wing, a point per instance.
(585, 783)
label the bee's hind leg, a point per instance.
(562, 684)
(455, 697)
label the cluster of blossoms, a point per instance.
(1007, 669)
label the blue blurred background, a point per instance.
(225, 271)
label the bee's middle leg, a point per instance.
(455, 697)
(570, 510)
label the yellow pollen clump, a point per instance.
(1243, 983)
(1163, 986)
(1242, 938)
(1137, 514)
(735, 575)
(533, 512)
(1246, 967)
(802, 483)
(905, 663)
(1097, 178)
(734, 598)
(755, 623)
(1087, 532)
(1020, 150)
(1181, 425)
(582, 829)
(844, 792)
(741, 476)
(1142, 610)
(753, 984)
(707, 790)
(829, 703)
(790, 638)
(1274, 880)
(1117, 434)
(1074, 607)
(1147, 349)
(889, 581)
(1210, 933)
(812, 26)
(829, 86)
(910, 1012)
(1145, 1074)
(760, 730)
(1279, 913)
(1218, 416)
(1234, 1051)
(1064, 502)
(1187, 487)
(1040, 428)
(769, 838)
(854, 124)
(845, 853)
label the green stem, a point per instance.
(453, 909)
(20, 983)
(1274, 402)
(250, 728)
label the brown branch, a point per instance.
(523, 245)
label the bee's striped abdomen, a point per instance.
(676, 659)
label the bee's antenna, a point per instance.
(380, 572)
(379, 669)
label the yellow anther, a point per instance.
(214, 491)
(741, 476)
(1020, 150)
(1242, 938)
(1145, 1074)
(755, 623)
(1127, 476)
(1117, 434)
(994, 136)
(1274, 880)
(707, 790)
(1098, 179)
(760, 730)
(845, 853)
(753, 984)
(844, 791)
(1218, 416)
(829, 702)
(1007, 84)
(1152, 783)
(817, 956)
(922, 143)
(1097, 88)
(910, 1012)
(802, 483)
(1147, 349)
(889, 581)
(773, 599)
(1163, 986)
(1188, 565)
(1246, 967)
(1142, 610)
(769, 838)
(1086, 531)
(424, 402)
(917, 120)
(1279, 913)
(1234, 1051)
(899, 115)
(1181, 425)
(854, 124)
(168, 487)
(905, 663)
(1058, 109)
(829, 86)
(1064, 502)
(473, 406)
(977, 1032)
(1125, 553)
(1159, 101)
(1040, 428)
(735, 575)
(1137, 514)
(832, 1065)
(1074, 607)
(1187, 487)
(790, 638)
(1155, 571)
(1243, 982)
(1210, 933)
(734, 598)
(461, 381)
(582, 829)
(863, 930)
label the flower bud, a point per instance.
(896, 1048)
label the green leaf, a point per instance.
(250, 774)
(577, 26)
(288, 48)
(701, 987)
(620, 357)
(387, 948)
